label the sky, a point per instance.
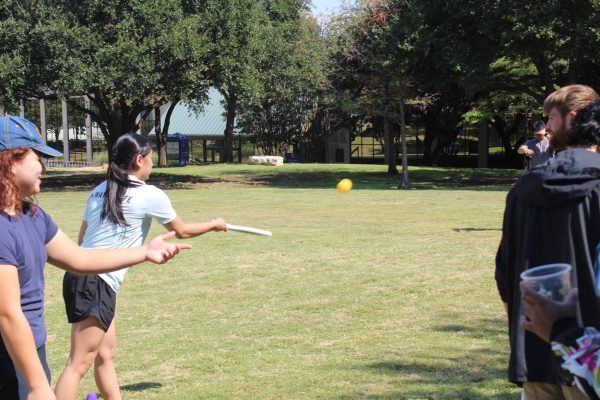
(326, 6)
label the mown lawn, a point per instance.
(374, 294)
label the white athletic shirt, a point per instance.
(140, 205)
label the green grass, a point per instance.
(373, 294)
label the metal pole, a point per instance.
(88, 131)
(65, 127)
(22, 109)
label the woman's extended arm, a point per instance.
(66, 254)
(183, 230)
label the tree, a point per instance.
(126, 56)
(379, 50)
(558, 38)
(293, 79)
(498, 61)
(236, 29)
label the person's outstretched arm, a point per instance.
(183, 230)
(66, 254)
(523, 149)
(17, 335)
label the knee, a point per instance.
(81, 365)
(106, 354)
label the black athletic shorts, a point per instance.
(89, 296)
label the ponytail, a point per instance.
(124, 153)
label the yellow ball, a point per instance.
(344, 185)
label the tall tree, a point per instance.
(379, 52)
(293, 78)
(236, 29)
(125, 55)
(558, 37)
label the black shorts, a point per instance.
(89, 296)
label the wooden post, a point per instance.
(88, 132)
(43, 127)
(482, 145)
(65, 127)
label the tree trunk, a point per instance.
(390, 147)
(500, 124)
(227, 155)
(544, 73)
(431, 142)
(404, 175)
(165, 130)
(161, 143)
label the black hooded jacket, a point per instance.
(552, 215)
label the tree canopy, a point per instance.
(289, 81)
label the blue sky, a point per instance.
(325, 6)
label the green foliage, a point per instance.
(128, 56)
(558, 38)
(470, 59)
(238, 42)
(258, 57)
(293, 78)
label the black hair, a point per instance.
(586, 126)
(538, 126)
(124, 153)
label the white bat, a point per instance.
(247, 229)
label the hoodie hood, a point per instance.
(567, 178)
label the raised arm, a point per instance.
(66, 254)
(17, 335)
(523, 149)
(183, 230)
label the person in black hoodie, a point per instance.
(576, 349)
(552, 215)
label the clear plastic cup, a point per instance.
(551, 280)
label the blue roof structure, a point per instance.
(208, 124)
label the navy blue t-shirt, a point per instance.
(22, 244)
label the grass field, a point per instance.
(373, 294)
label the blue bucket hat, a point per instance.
(17, 132)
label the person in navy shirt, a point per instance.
(29, 239)
(537, 149)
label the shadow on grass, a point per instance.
(421, 179)
(140, 387)
(488, 328)
(464, 379)
(469, 376)
(475, 229)
(78, 182)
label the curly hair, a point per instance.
(9, 191)
(586, 126)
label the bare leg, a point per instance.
(86, 337)
(104, 366)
